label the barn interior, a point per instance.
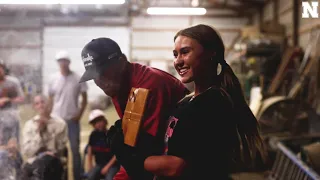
(272, 46)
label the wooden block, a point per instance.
(133, 115)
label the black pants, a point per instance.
(44, 168)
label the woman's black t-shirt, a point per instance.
(203, 133)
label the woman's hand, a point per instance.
(104, 170)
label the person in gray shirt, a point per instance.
(10, 90)
(64, 93)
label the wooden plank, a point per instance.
(297, 86)
(306, 29)
(278, 78)
(285, 11)
(133, 115)
(296, 22)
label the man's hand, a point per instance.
(104, 170)
(42, 124)
(4, 101)
(49, 153)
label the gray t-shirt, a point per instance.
(66, 91)
(11, 88)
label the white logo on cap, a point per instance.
(87, 60)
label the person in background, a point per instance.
(115, 75)
(44, 141)
(98, 148)
(64, 92)
(11, 95)
(214, 125)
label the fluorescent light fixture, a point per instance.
(17, 2)
(176, 11)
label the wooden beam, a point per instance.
(305, 29)
(85, 24)
(236, 8)
(309, 28)
(251, 3)
(261, 9)
(135, 29)
(30, 46)
(296, 22)
(276, 10)
(286, 10)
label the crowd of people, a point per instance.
(207, 134)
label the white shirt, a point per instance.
(66, 91)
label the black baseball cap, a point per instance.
(97, 55)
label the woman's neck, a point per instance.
(204, 84)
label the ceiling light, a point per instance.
(176, 11)
(195, 3)
(62, 2)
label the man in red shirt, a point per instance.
(108, 67)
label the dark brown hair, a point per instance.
(251, 143)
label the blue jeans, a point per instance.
(94, 173)
(9, 125)
(74, 138)
(7, 166)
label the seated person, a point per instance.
(106, 164)
(43, 143)
(10, 159)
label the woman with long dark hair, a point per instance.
(212, 133)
